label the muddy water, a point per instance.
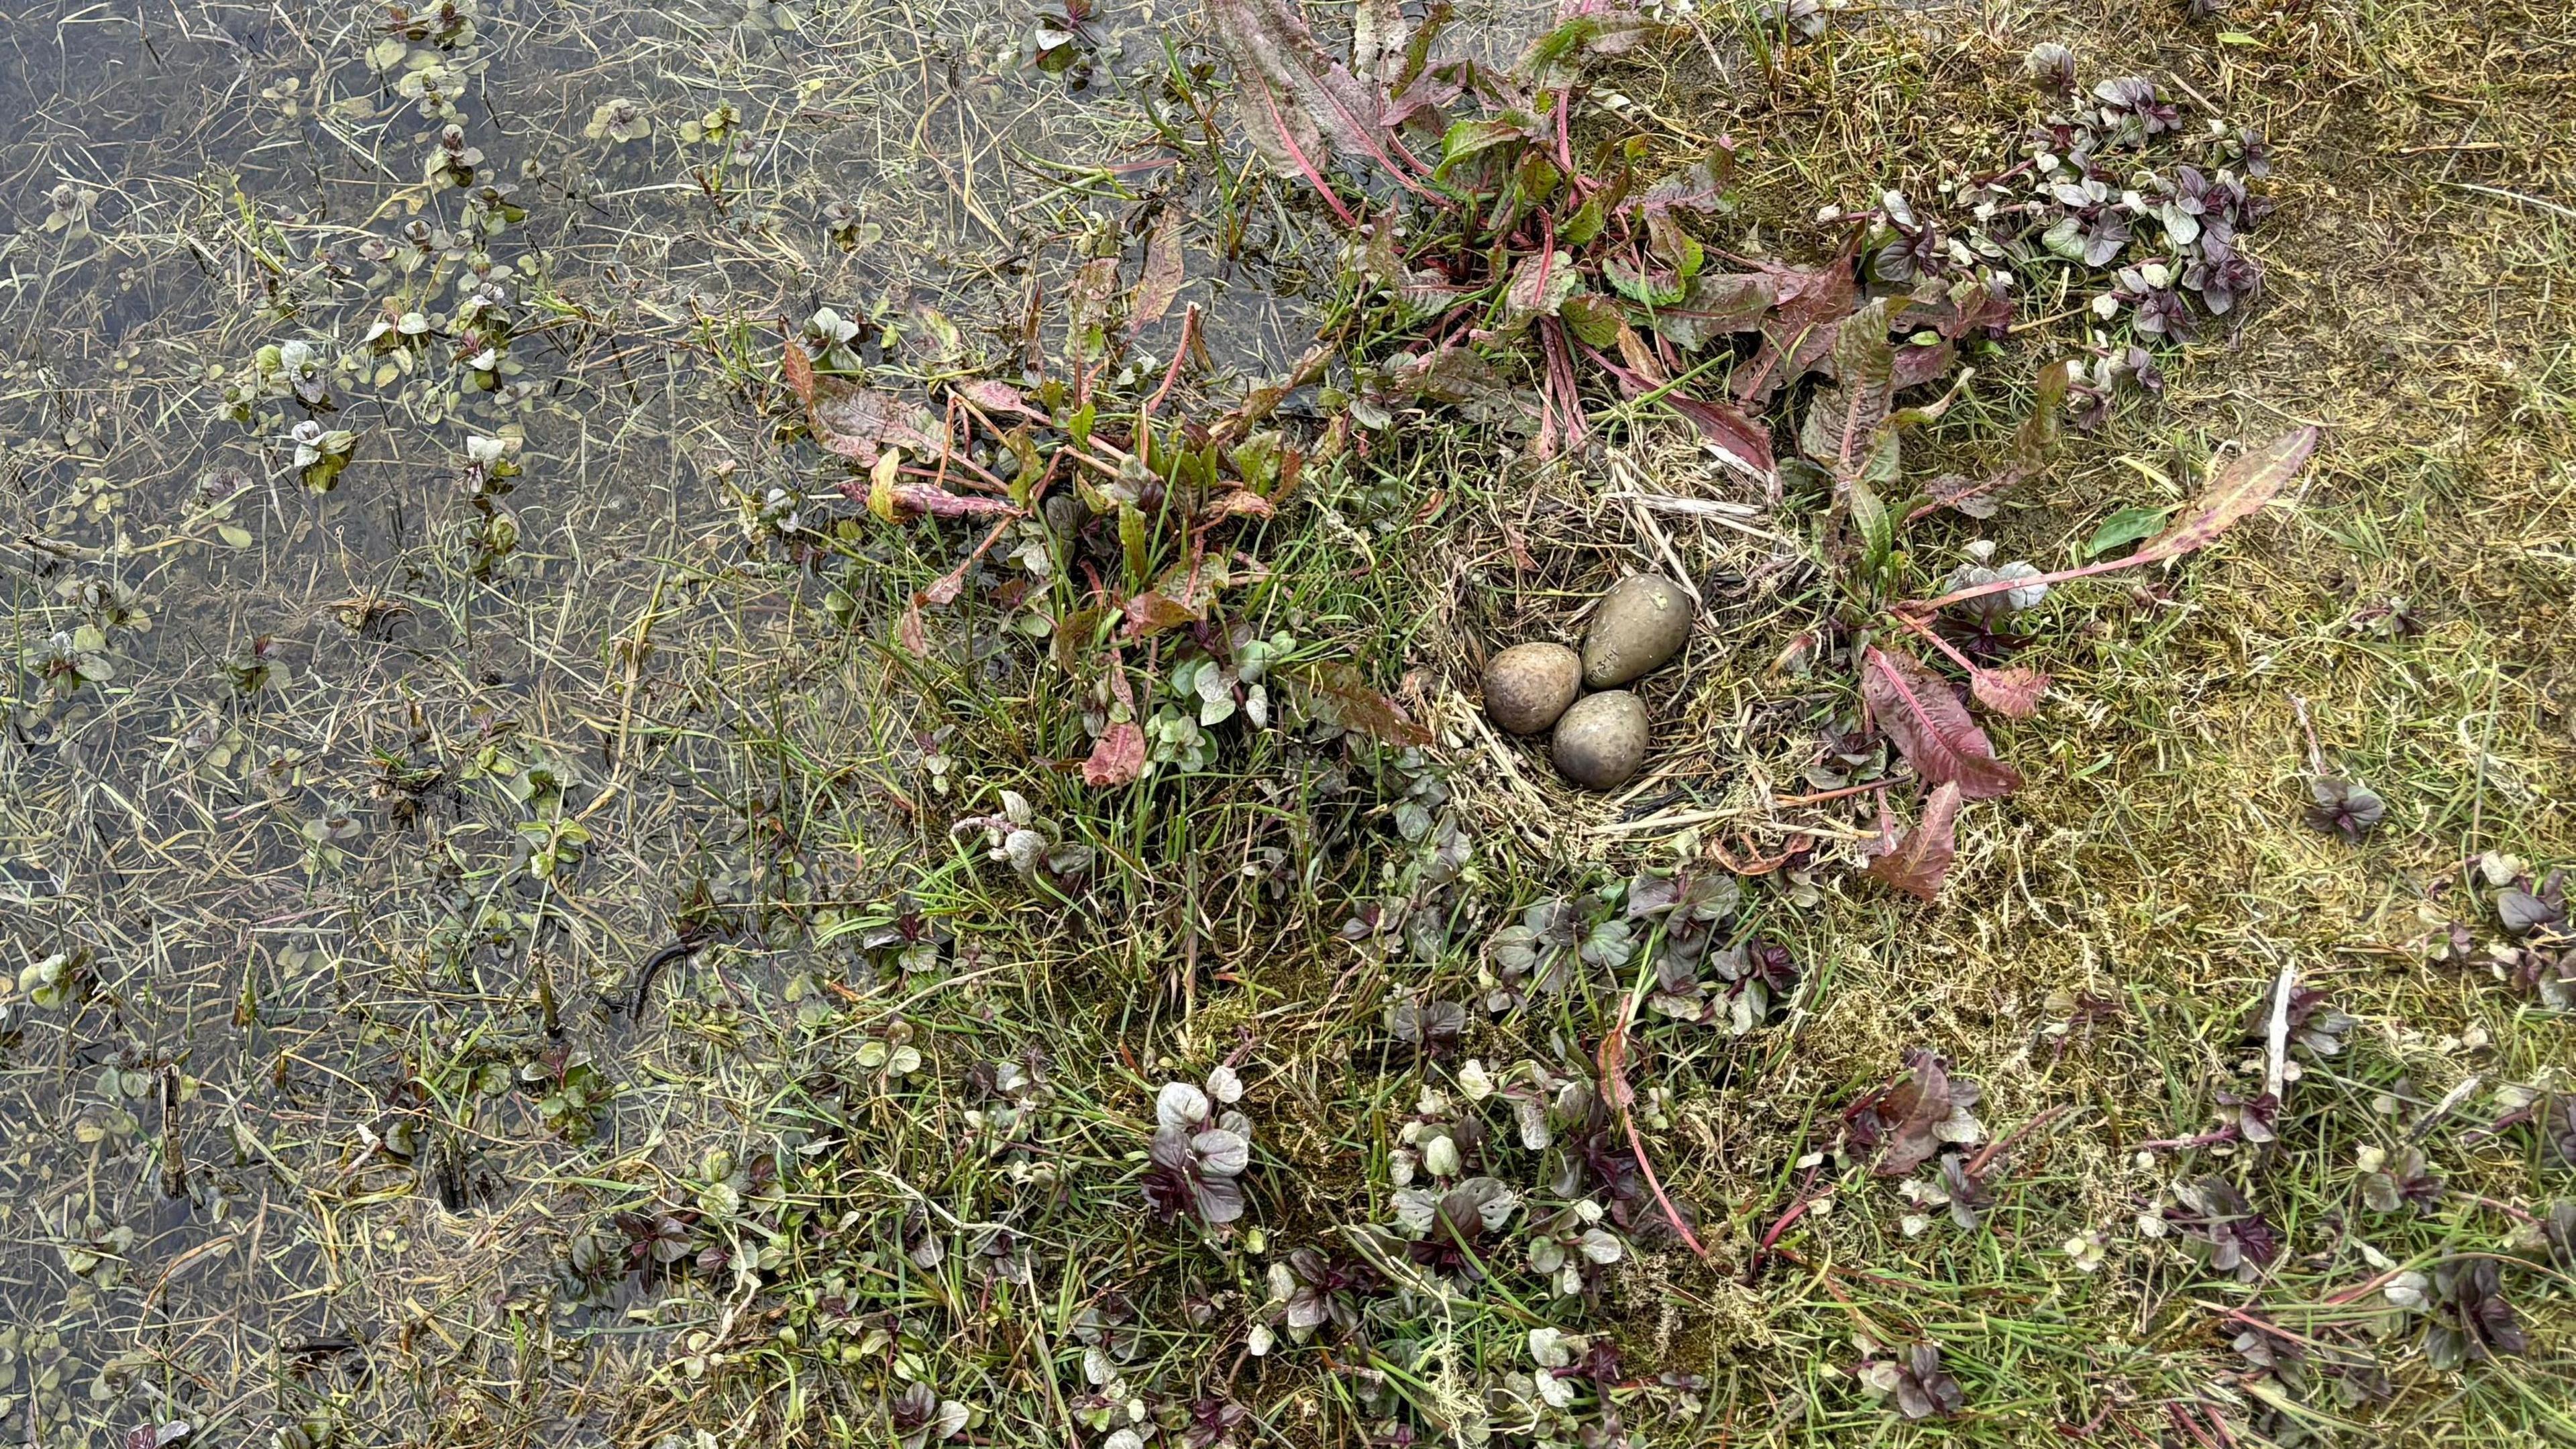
(299, 997)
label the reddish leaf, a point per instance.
(997, 397)
(1800, 332)
(1152, 612)
(1308, 97)
(1911, 1115)
(1117, 757)
(1164, 273)
(2012, 692)
(1715, 307)
(1640, 358)
(1917, 364)
(1842, 424)
(1916, 861)
(2247, 482)
(1954, 314)
(2244, 485)
(1741, 441)
(1450, 375)
(1539, 286)
(1973, 497)
(1341, 693)
(1928, 723)
(853, 421)
(898, 499)
(1700, 186)
(916, 640)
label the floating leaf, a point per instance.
(858, 422)
(1164, 274)
(1917, 861)
(1932, 728)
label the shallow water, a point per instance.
(279, 759)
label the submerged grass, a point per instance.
(356, 1125)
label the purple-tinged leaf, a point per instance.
(1931, 727)
(1917, 861)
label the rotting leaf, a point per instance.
(1931, 727)
(1165, 273)
(1342, 694)
(1917, 861)
(858, 423)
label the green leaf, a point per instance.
(1649, 289)
(1593, 318)
(2066, 238)
(1713, 307)
(2127, 526)
(1467, 140)
(1584, 225)
(1842, 428)
(1876, 525)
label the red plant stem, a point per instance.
(1782, 1224)
(1288, 143)
(2002, 586)
(947, 588)
(1937, 642)
(1984, 1159)
(2506, 1208)
(1172, 374)
(1822, 796)
(1614, 1085)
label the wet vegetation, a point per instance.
(761, 723)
